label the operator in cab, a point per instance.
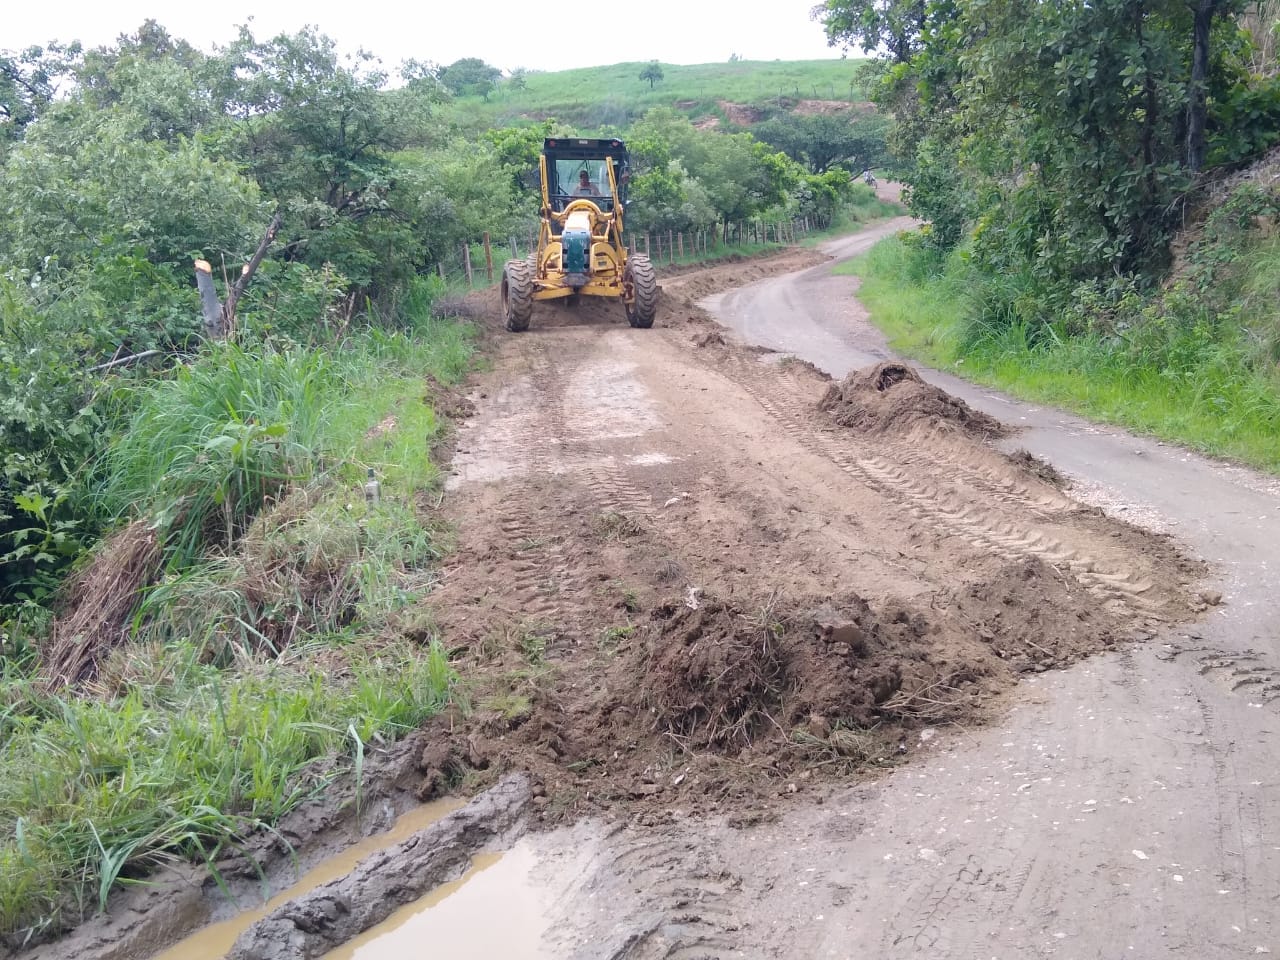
(585, 187)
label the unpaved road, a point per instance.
(1127, 809)
(1117, 808)
(802, 680)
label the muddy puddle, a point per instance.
(214, 941)
(495, 909)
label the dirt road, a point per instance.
(612, 480)
(1127, 807)
(802, 668)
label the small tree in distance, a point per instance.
(652, 72)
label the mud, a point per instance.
(332, 914)
(891, 396)
(695, 577)
(213, 942)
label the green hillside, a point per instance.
(615, 95)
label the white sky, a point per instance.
(504, 33)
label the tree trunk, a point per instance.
(219, 318)
(209, 303)
(1197, 99)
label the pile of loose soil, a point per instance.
(892, 396)
(714, 700)
(1041, 468)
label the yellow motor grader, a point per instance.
(580, 250)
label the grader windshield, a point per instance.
(578, 168)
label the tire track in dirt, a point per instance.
(673, 897)
(927, 499)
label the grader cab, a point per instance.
(581, 251)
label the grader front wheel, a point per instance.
(643, 282)
(517, 295)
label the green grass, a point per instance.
(1211, 398)
(614, 95)
(183, 762)
(273, 649)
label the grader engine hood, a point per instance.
(576, 244)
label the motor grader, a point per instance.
(580, 251)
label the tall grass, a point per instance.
(207, 448)
(183, 763)
(270, 646)
(1179, 371)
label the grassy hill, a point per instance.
(595, 97)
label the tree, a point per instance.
(1203, 14)
(652, 72)
(470, 76)
(898, 26)
(825, 141)
(29, 81)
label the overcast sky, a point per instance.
(505, 33)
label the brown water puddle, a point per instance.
(493, 910)
(214, 941)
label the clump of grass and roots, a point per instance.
(239, 636)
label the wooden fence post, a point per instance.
(681, 239)
(466, 261)
(488, 257)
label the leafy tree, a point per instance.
(824, 141)
(1067, 132)
(458, 191)
(651, 72)
(29, 81)
(470, 76)
(820, 195)
(104, 193)
(897, 26)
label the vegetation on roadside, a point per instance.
(278, 633)
(1089, 237)
(1180, 368)
(181, 759)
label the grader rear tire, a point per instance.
(517, 295)
(645, 284)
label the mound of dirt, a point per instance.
(892, 396)
(719, 676)
(748, 692)
(1034, 617)
(1041, 468)
(742, 114)
(713, 673)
